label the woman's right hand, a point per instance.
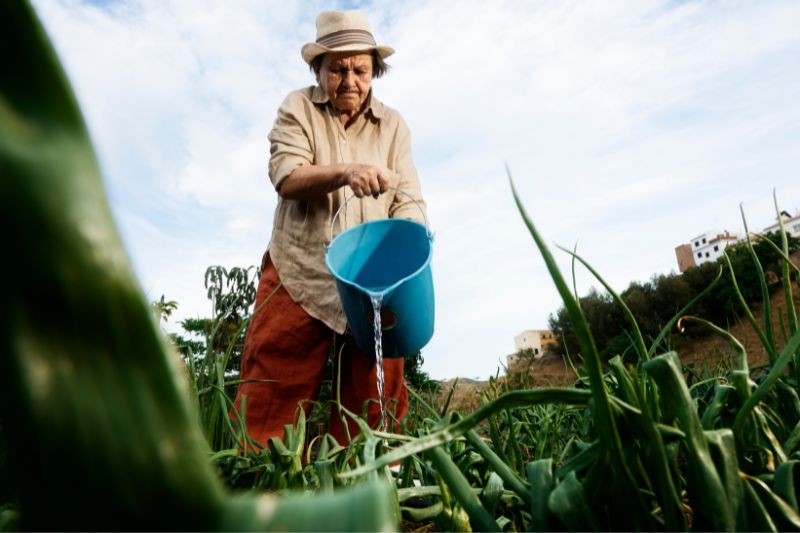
(364, 180)
(311, 181)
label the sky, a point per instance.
(630, 126)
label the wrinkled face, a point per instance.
(346, 78)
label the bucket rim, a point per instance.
(390, 288)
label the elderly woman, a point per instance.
(329, 142)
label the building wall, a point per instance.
(535, 339)
(709, 246)
(685, 257)
(790, 224)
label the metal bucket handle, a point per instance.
(424, 216)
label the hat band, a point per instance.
(345, 37)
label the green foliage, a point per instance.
(629, 447)
(196, 330)
(103, 434)
(206, 340)
(163, 309)
(415, 376)
(97, 432)
(232, 293)
(655, 302)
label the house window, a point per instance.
(699, 254)
(697, 243)
(704, 240)
(536, 351)
(796, 228)
(716, 248)
(706, 254)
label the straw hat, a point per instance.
(343, 31)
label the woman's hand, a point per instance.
(365, 180)
(311, 181)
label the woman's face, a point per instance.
(346, 78)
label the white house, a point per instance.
(536, 340)
(704, 248)
(709, 246)
(791, 224)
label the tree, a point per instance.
(232, 294)
(415, 377)
(163, 308)
(656, 302)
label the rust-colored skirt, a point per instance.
(288, 347)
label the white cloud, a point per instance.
(629, 127)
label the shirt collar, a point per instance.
(374, 106)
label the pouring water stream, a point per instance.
(377, 301)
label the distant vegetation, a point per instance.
(655, 302)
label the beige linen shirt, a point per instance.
(308, 131)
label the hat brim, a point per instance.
(313, 50)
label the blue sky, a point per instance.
(629, 126)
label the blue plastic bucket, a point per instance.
(390, 259)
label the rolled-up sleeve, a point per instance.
(409, 203)
(291, 143)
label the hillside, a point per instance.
(705, 354)
(713, 349)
